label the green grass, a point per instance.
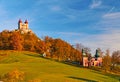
(46, 70)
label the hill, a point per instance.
(36, 67)
(51, 48)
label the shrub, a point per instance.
(35, 80)
(14, 76)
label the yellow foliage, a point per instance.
(14, 76)
(35, 80)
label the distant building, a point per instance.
(23, 27)
(92, 61)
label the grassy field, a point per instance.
(46, 70)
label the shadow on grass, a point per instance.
(34, 55)
(114, 76)
(83, 79)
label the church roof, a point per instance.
(26, 22)
(20, 21)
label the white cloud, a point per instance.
(55, 8)
(108, 21)
(95, 4)
(110, 39)
(69, 33)
(114, 15)
(111, 9)
(71, 17)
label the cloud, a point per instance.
(71, 17)
(69, 33)
(95, 4)
(107, 40)
(111, 9)
(55, 8)
(110, 31)
(110, 39)
(108, 21)
(114, 15)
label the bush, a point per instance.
(35, 80)
(13, 76)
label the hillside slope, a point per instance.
(46, 70)
(57, 49)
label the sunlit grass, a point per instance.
(46, 70)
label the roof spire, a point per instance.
(97, 53)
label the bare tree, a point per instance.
(115, 58)
(101, 52)
(79, 46)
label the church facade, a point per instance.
(23, 27)
(92, 61)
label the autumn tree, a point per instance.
(87, 50)
(4, 40)
(16, 41)
(29, 40)
(106, 61)
(48, 41)
(53, 48)
(13, 76)
(79, 46)
(101, 52)
(115, 58)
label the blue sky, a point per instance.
(94, 23)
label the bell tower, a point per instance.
(19, 24)
(23, 26)
(26, 24)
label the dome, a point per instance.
(26, 22)
(20, 21)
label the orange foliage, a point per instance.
(52, 48)
(14, 76)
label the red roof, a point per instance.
(20, 21)
(26, 22)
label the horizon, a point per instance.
(93, 23)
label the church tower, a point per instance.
(84, 59)
(97, 54)
(26, 24)
(22, 26)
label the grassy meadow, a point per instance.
(36, 67)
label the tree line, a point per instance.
(50, 48)
(111, 62)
